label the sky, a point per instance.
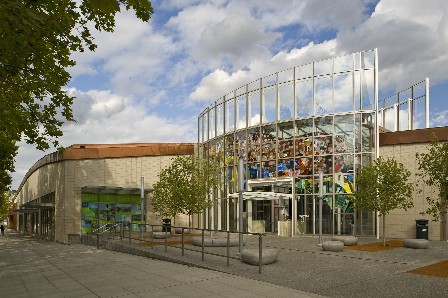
(148, 82)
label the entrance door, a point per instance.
(261, 213)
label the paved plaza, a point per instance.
(37, 268)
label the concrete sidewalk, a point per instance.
(38, 268)
(302, 265)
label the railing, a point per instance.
(146, 235)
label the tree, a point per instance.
(37, 39)
(434, 171)
(383, 186)
(201, 179)
(183, 187)
(5, 204)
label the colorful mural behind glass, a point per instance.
(102, 209)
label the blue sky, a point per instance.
(148, 82)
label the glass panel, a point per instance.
(303, 147)
(344, 163)
(254, 145)
(304, 185)
(367, 135)
(366, 159)
(205, 126)
(323, 145)
(367, 82)
(324, 164)
(419, 113)
(285, 167)
(304, 98)
(241, 112)
(286, 76)
(254, 103)
(343, 63)
(254, 171)
(327, 184)
(285, 149)
(269, 99)
(230, 150)
(304, 166)
(403, 117)
(323, 95)
(240, 144)
(304, 127)
(211, 123)
(220, 119)
(389, 119)
(404, 95)
(343, 183)
(269, 169)
(268, 151)
(323, 126)
(343, 93)
(286, 100)
(323, 67)
(304, 71)
(285, 130)
(201, 129)
(344, 134)
(230, 114)
(254, 136)
(220, 152)
(212, 151)
(380, 118)
(268, 133)
(368, 59)
(419, 90)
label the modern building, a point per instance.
(88, 186)
(322, 117)
(286, 128)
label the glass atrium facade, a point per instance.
(288, 127)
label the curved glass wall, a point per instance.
(288, 127)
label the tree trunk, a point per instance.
(384, 230)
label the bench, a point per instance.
(160, 235)
(251, 256)
(334, 246)
(348, 240)
(416, 243)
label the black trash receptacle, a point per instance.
(421, 229)
(166, 225)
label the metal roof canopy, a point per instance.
(112, 190)
(25, 210)
(38, 206)
(254, 195)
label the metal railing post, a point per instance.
(166, 234)
(260, 253)
(202, 244)
(182, 241)
(121, 231)
(130, 232)
(152, 238)
(97, 240)
(228, 248)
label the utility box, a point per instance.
(166, 225)
(421, 229)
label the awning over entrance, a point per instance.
(112, 190)
(253, 195)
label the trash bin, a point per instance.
(166, 225)
(421, 229)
